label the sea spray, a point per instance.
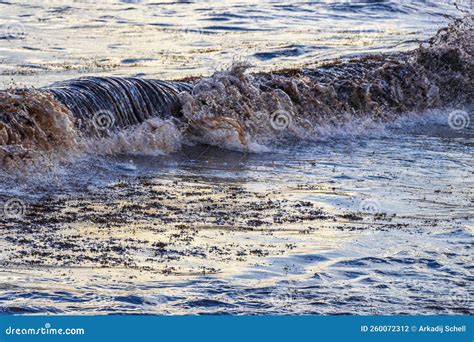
(310, 103)
(32, 121)
(238, 110)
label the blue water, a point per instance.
(211, 231)
(46, 41)
(408, 252)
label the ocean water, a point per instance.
(362, 218)
(45, 41)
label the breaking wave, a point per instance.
(235, 109)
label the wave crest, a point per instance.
(238, 110)
(310, 103)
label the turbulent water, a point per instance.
(343, 176)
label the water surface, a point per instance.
(366, 221)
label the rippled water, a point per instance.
(44, 41)
(407, 250)
(376, 222)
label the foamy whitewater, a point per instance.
(236, 157)
(238, 110)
